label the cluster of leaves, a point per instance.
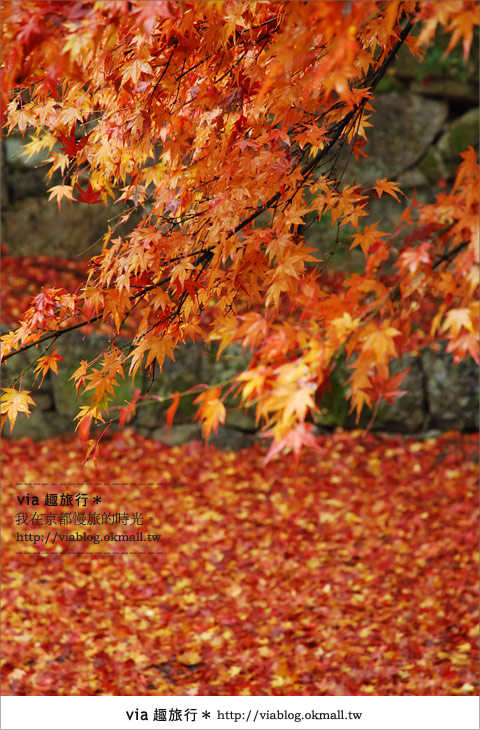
(223, 123)
(366, 584)
(22, 277)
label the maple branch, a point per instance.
(31, 364)
(50, 335)
(203, 257)
(450, 254)
(79, 325)
(336, 131)
(394, 292)
(378, 75)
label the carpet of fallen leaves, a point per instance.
(354, 572)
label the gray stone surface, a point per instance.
(452, 392)
(404, 125)
(34, 226)
(408, 414)
(177, 435)
(459, 135)
(231, 439)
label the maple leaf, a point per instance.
(148, 12)
(91, 410)
(211, 411)
(61, 191)
(102, 383)
(15, 402)
(92, 452)
(158, 349)
(357, 148)
(80, 374)
(70, 145)
(84, 426)
(359, 386)
(367, 237)
(299, 403)
(462, 345)
(387, 389)
(390, 188)
(456, 319)
(88, 195)
(298, 437)
(172, 409)
(8, 342)
(128, 411)
(462, 26)
(411, 258)
(46, 363)
(255, 380)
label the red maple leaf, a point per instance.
(88, 195)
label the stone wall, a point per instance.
(440, 395)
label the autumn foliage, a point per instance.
(222, 123)
(356, 573)
(219, 127)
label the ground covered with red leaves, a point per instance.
(353, 573)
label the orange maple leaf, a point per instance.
(387, 389)
(46, 363)
(302, 435)
(128, 411)
(211, 411)
(172, 409)
(390, 188)
(456, 319)
(92, 452)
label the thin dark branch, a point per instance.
(450, 254)
(79, 325)
(336, 131)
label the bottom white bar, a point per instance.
(240, 713)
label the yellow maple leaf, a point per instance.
(380, 342)
(189, 658)
(15, 402)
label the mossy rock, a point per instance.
(452, 392)
(460, 134)
(176, 376)
(432, 166)
(177, 435)
(442, 160)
